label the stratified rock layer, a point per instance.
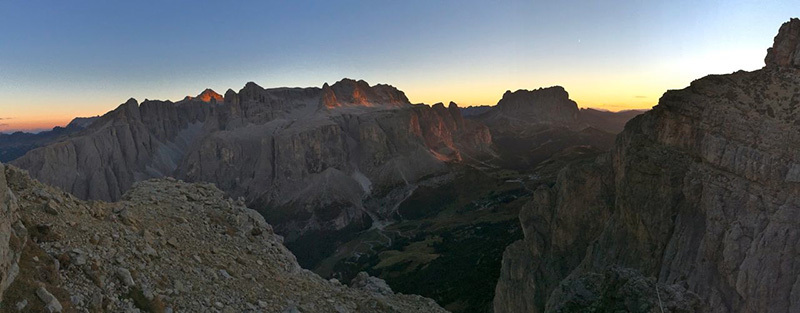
(12, 236)
(701, 195)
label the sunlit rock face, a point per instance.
(348, 92)
(698, 201)
(208, 95)
(305, 157)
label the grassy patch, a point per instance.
(449, 245)
(414, 256)
(41, 232)
(33, 274)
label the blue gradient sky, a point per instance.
(60, 59)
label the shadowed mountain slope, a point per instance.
(694, 210)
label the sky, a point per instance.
(62, 59)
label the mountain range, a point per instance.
(322, 165)
(689, 207)
(16, 144)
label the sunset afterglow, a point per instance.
(63, 60)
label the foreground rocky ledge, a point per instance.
(167, 246)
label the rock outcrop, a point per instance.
(522, 108)
(697, 204)
(786, 49)
(12, 235)
(169, 246)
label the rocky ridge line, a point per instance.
(168, 246)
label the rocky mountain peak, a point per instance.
(131, 102)
(550, 105)
(328, 97)
(209, 95)
(250, 91)
(554, 93)
(349, 93)
(130, 108)
(231, 97)
(785, 50)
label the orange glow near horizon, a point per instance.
(635, 88)
(45, 119)
(72, 61)
(32, 125)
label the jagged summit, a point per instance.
(785, 50)
(251, 85)
(549, 105)
(349, 93)
(537, 97)
(208, 95)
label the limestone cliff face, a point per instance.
(13, 235)
(131, 143)
(320, 167)
(305, 157)
(701, 196)
(256, 105)
(559, 224)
